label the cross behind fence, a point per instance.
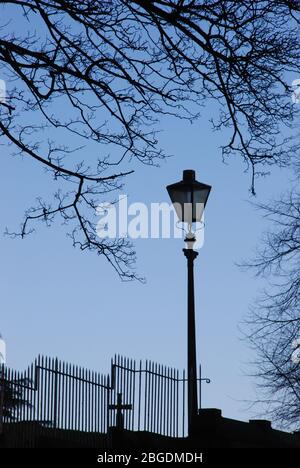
(53, 398)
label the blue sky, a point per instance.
(58, 301)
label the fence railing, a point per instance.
(157, 395)
(55, 399)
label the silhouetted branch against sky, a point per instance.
(273, 325)
(104, 72)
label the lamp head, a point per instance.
(189, 197)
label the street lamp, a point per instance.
(189, 198)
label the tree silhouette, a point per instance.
(274, 321)
(12, 397)
(100, 74)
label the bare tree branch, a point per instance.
(100, 74)
(273, 325)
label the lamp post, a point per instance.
(189, 198)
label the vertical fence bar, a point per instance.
(88, 426)
(58, 396)
(36, 393)
(169, 402)
(100, 403)
(154, 397)
(183, 403)
(161, 382)
(133, 396)
(108, 398)
(50, 394)
(125, 395)
(200, 387)
(145, 397)
(55, 392)
(65, 381)
(30, 407)
(85, 427)
(177, 401)
(93, 406)
(75, 424)
(152, 376)
(71, 396)
(158, 400)
(46, 399)
(174, 402)
(140, 393)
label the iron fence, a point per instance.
(54, 399)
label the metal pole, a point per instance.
(191, 254)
